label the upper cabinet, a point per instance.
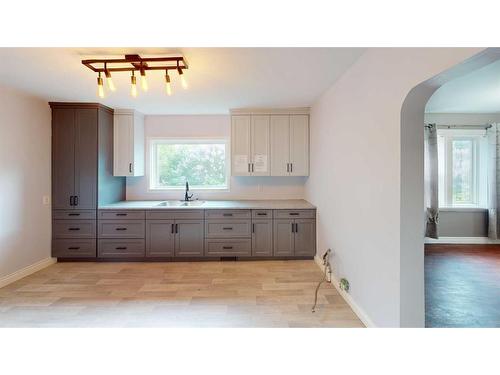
(270, 142)
(128, 142)
(250, 145)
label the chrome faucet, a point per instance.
(187, 197)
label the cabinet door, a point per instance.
(188, 238)
(123, 147)
(86, 158)
(63, 157)
(299, 145)
(283, 237)
(260, 146)
(280, 145)
(160, 238)
(305, 237)
(240, 145)
(262, 238)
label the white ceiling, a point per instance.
(218, 78)
(476, 92)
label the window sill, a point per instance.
(197, 190)
(462, 209)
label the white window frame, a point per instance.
(479, 188)
(153, 167)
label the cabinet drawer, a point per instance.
(120, 248)
(74, 248)
(294, 214)
(121, 228)
(121, 214)
(228, 247)
(73, 229)
(227, 228)
(227, 214)
(262, 214)
(172, 215)
(74, 214)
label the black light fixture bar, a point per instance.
(136, 62)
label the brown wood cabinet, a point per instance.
(82, 167)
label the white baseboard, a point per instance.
(461, 240)
(26, 271)
(348, 298)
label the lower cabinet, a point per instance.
(189, 238)
(74, 248)
(168, 238)
(160, 238)
(294, 237)
(262, 238)
(228, 247)
(118, 248)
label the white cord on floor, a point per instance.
(328, 271)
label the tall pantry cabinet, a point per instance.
(82, 175)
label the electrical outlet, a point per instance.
(46, 200)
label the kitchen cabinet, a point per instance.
(188, 238)
(294, 237)
(160, 238)
(289, 145)
(128, 143)
(250, 145)
(82, 146)
(74, 158)
(262, 237)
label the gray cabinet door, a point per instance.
(189, 238)
(86, 158)
(283, 237)
(63, 157)
(262, 238)
(160, 238)
(305, 237)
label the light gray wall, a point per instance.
(462, 223)
(25, 131)
(358, 185)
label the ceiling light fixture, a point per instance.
(181, 74)
(144, 81)
(109, 80)
(168, 87)
(100, 87)
(133, 87)
(133, 63)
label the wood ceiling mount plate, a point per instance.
(136, 63)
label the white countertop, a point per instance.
(278, 204)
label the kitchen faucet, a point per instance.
(187, 197)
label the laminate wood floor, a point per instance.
(177, 294)
(462, 286)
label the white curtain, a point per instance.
(431, 181)
(492, 135)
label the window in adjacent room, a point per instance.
(462, 168)
(202, 162)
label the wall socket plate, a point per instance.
(46, 200)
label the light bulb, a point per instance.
(109, 81)
(100, 87)
(133, 87)
(168, 87)
(183, 79)
(144, 82)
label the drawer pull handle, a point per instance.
(227, 214)
(294, 214)
(74, 248)
(121, 248)
(73, 228)
(227, 247)
(261, 213)
(121, 214)
(73, 214)
(121, 228)
(228, 228)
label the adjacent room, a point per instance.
(231, 187)
(462, 249)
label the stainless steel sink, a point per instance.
(180, 203)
